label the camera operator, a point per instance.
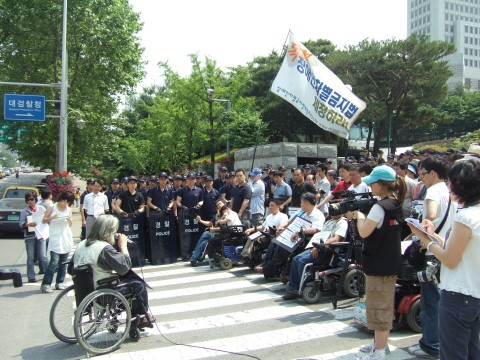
(381, 255)
(98, 250)
(459, 305)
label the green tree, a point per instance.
(104, 56)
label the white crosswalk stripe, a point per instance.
(213, 311)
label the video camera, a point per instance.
(352, 201)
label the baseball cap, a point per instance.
(208, 178)
(163, 174)
(142, 180)
(191, 175)
(384, 173)
(276, 173)
(115, 181)
(125, 180)
(131, 178)
(177, 177)
(255, 172)
(223, 168)
(231, 174)
(152, 178)
(90, 181)
(390, 156)
(282, 168)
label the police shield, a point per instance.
(162, 238)
(132, 227)
(189, 232)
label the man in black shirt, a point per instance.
(226, 191)
(210, 196)
(241, 196)
(190, 196)
(160, 197)
(300, 187)
(130, 201)
(222, 180)
(113, 193)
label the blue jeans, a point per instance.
(458, 326)
(30, 244)
(201, 245)
(430, 296)
(55, 265)
(298, 264)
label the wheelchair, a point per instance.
(226, 248)
(99, 320)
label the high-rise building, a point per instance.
(457, 22)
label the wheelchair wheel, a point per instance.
(226, 264)
(102, 321)
(351, 282)
(134, 334)
(311, 293)
(413, 317)
(62, 314)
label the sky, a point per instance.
(233, 32)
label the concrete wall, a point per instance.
(284, 153)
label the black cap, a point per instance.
(191, 175)
(177, 177)
(306, 166)
(223, 168)
(131, 178)
(90, 181)
(282, 168)
(115, 181)
(142, 180)
(208, 178)
(276, 173)
(267, 167)
(184, 178)
(163, 174)
(153, 178)
(125, 180)
(390, 156)
(231, 174)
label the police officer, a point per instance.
(221, 181)
(210, 196)
(130, 202)
(160, 197)
(190, 196)
(113, 193)
(226, 191)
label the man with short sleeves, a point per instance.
(130, 202)
(190, 196)
(113, 193)
(241, 196)
(95, 204)
(226, 192)
(221, 181)
(257, 199)
(358, 186)
(323, 187)
(160, 197)
(210, 197)
(282, 192)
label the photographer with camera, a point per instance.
(439, 209)
(381, 231)
(459, 305)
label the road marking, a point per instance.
(395, 354)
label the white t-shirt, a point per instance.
(464, 277)
(330, 229)
(360, 188)
(275, 220)
(377, 214)
(323, 185)
(233, 219)
(440, 194)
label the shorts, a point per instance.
(380, 297)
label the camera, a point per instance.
(351, 202)
(430, 273)
(417, 209)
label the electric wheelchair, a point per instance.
(99, 320)
(225, 248)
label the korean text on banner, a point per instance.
(306, 83)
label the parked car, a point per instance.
(7, 172)
(18, 192)
(10, 214)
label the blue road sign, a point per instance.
(24, 107)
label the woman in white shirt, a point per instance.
(459, 307)
(59, 216)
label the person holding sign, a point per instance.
(334, 230)
(286, 242)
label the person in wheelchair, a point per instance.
(212, 230)
(273, 221)
(334, 230)
(99, 251)
(277, 256)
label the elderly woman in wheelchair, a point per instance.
(107, 306)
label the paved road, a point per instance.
(233, 310)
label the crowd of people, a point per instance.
(443, 188)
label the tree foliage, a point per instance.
(104, 59)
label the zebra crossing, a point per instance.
(210, 313)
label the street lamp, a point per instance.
(80, 122)
(211, 99)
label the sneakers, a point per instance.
(374, 355)
(46, 289)
(417, 351)
(368, 348)
(60, 287)
(32, 281)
